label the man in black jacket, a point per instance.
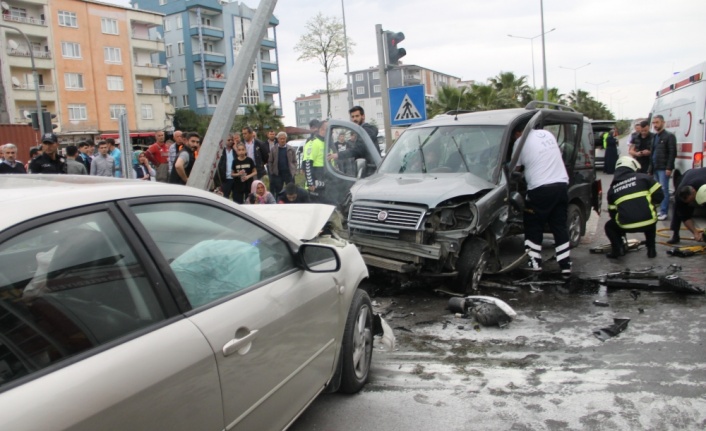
(664, 151)
(691, 193)
(185, 160)
(641, 146)
(225, 168)
(358, 117)
(632, 198)
(257, 150)
(10, 165)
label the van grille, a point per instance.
(390, 217)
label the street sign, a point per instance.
(407, 105)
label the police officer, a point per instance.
(49, 162)
(632, 201)
(692, 192)
(547, 198)
(313, 160)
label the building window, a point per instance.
(112, 55)
(376, 88)
(18, 12)
(116, 110)
(359, 90)
(182, 71)
(379, 116)
(358, 76)
(170, 78)
(167, 24)
(213, 99)
(169, 50)
(70, 50)
(147, 113)
(376, 75)
(185, 100)
(115, 83)
(180, 48)
(378, 102)
(180, 22)
(77, 112)
(302, 111)
(67, 19)
(109, 26)
(138, 85)
(74, 81)
(173, 101)
(162, 2)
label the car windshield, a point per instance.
(446, 149)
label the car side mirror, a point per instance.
(318, 258)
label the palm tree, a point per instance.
(484, 97)
(262, 117)
(448, 98)
(554, 96)
(512, 88)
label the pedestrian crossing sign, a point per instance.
(407, 105)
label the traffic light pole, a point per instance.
(382, 68)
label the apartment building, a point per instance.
(315, 107)
(202, 40)
(94, 61)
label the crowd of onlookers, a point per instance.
(244, 162)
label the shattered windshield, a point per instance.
(446, 149)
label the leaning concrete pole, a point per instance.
(212, 143)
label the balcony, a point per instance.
(26, 92)
(151, 92)
(210, 57)
(269, 43)
(208, 32)
(211, 84)
(270, 88)
(147, 44)
(22, 59)
(24, 20)
(151, 70)
(24, 53)
(267, 65)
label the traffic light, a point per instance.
(394, 53)
(46, 121)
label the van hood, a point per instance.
(426, 189)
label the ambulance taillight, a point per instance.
(698, 160)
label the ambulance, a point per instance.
(682, 102)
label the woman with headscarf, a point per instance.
(259, 194)
(143, 170)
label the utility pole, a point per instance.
(212, 143)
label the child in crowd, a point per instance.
(243, 172)
(259, 194)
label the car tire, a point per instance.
(470, 265)
(357, 347)
(575, 225)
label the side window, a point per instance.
(212, 252)
(584, 158)
(353, 157)
(566, 137)
(66, 287)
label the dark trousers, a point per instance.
(277, 182)
(547, 204)
(227, 188)
(682, 212)
(616, 233)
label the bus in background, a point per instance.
(681, 100)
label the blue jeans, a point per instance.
(662, 178)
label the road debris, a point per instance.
(486, 310)
(618, 326)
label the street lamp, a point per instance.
(576, 88)
(35, 75)
(597, 85)
(531, 39)
(349, 88)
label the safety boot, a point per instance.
(651, 252)
(616, 252)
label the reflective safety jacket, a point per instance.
(632, 198)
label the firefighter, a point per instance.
(691, 194)
(632, 201)
(547, 199)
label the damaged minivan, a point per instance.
(448, 192)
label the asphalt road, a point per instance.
(545, 370)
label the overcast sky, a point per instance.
(635, 45)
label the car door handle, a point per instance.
(240, 345)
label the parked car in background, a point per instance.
(145, 306)
(599, 128)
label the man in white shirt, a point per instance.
(547, 198)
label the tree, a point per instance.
(262, 117)
(187, 120)
(323, 41)
(583, 102)
(447, 99)
(553, 97)
(513, 89)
